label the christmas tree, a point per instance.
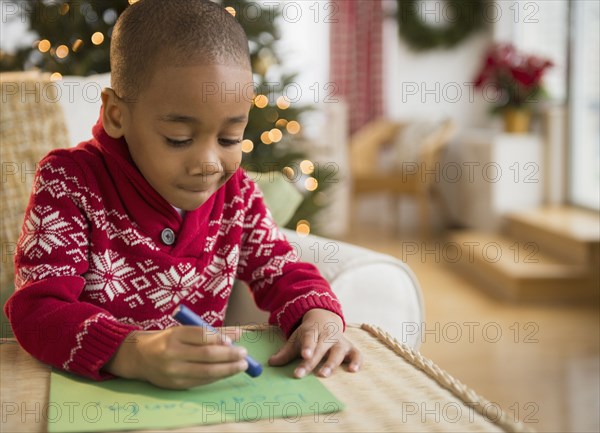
(73, 39)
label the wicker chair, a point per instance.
(31, 124)
(415, 178)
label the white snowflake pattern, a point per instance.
(107, 276)
(210, 243)
(220, 273)
(267, 273)
(162, 322)
(116, 224)
(28, 274)
(43, 232)
(236, 220)
(173, 285)
(213, 317)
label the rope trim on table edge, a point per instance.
(469, 397)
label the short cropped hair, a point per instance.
(177, 32)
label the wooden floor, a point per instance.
(540, 363)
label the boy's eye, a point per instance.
(226, 142)
(177, 143)
(180, 143)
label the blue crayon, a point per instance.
(185, 316)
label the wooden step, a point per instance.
(569, 233)
(518, 270)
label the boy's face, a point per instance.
(185, 130)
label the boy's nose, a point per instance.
(206, 168)
(206, 164)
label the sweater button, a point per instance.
(167, 236)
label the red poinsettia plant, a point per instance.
(516, 77)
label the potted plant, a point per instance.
(517, 80)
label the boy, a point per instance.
(154, 211)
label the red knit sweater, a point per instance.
(92, 263)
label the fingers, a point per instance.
(309, 342)
(187, 356)
(199, 335)
(303, 341)
(340, 352)
(196, 344)
(332, 348)
(206, 373)
(191, 374)
(312, 352)
(315, 344)
(355, 358)
(211, 353)
(286, 354)
(337, 354)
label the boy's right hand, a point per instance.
(177, 358)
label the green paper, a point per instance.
(81, 405)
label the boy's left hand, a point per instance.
(319, 336)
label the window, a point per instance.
(541, 28)
(584, 105)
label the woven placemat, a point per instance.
(398, 390)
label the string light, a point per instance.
(110, 16)
(311, 184)
(261, 101)
(283, 103)
(230, 10)
(293, 127)
(288, 172)
(264, 137)
(303, 228)
(281, 123)
(56, 76)
(307, 167)
(97, 38)
(44, 45)
(77, 45)
(62, 51)
(133, 1)
(247, 146)
(275, 135)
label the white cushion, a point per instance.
(81, 102)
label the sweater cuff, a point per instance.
(290, 316)
(96, 344)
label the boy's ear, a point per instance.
(112, 113)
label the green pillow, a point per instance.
(281, 197)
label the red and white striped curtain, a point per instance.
(356, 58)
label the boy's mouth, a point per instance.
(206, 187)
(195, 189)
